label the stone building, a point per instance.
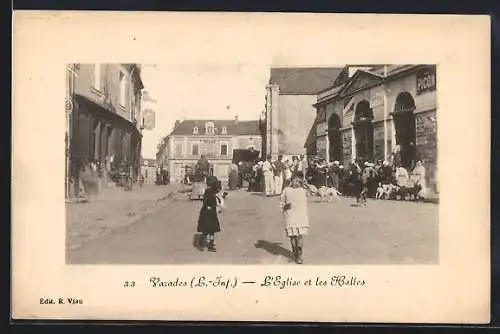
(162, 152)
(289, 112)
(104, 126)
(216, 139)
(370, 110)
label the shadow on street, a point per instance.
(274, 248)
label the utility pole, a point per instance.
(386, 116)
(327, 146)
(70, 79)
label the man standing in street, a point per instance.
(203, 166)
(267, 170)
(302, 167)
(279, 168)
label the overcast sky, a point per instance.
(201, 91)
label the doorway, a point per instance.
(404, 125)
(335, 143)
(363, 131)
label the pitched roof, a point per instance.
(304, 80)
(233, 127)
(354, 79)
(311, 136)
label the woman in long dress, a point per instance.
(355, 181)
(402, 179)
(294, 203)
(419, 174)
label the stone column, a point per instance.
(274, 121)
(268, 120)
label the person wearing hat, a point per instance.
(208, 221)
(386, 174)
(296, 218)
(279, 170)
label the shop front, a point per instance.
(102, 144)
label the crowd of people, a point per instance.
(361, 179)
(289, 178)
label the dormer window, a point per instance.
(209, 128)
(224, 130)
(195, 130)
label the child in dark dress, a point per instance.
(208, 222)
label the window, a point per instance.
(224, 130)
(195, 149)
(178, 149)
(97, 76)
(223, 149)
(209, 128)
(123, 89)
(195, 130)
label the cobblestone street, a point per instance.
(385, 232)
(113, 208)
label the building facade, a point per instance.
(104, 123)
(162, 152)
(370, 111)
(289, 112)
(216, 139)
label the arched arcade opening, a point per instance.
(334, 138)
(404, 126)
(363, 131)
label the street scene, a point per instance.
(311, 165)
(384, 232)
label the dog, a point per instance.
(324, 193)
(221, 197)
(380, 192)
(385, 191)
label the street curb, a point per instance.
(154, 206)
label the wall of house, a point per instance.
(97, 136)
(108, 94)
(296, 116)
(181, 152)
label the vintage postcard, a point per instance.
(251, 167)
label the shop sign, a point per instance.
(426, 80)
(377, 100)
(208, 141)
(148, 119)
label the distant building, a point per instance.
(216, 139)
(370, 110)
(289, 112)
(162, 153)
(104, 129)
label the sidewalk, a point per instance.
(113, 209)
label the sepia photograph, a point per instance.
(190, 163)
(306, 165)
